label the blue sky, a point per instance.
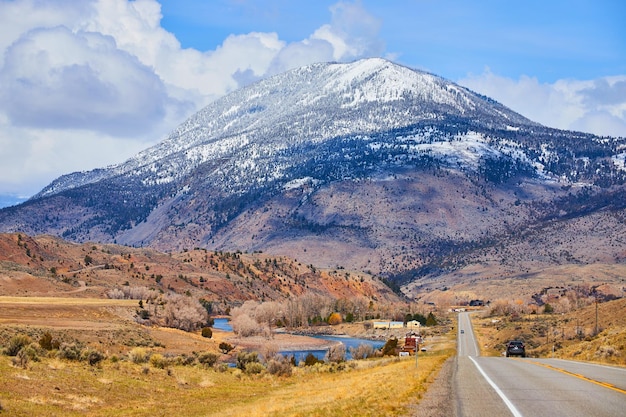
(85, 84)
(550, 40)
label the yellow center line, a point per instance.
(579, 376)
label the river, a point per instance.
(349, 342)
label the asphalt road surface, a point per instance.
(526, 387)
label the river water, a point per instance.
(348, 342)
(222, 324)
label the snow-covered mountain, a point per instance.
(307, 107)
(368, 164)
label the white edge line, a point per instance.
(508, 403)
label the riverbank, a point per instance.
(281, 342)
(308, 338)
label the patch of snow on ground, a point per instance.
(299, 182)
(466, 149)
(620, 161)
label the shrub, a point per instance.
(390, 347)
(225, 347)
(143, 314)
(207, 332)
(222, 367)
(185, 360)
(245, 358)
(363, 351)
(311, 359)
(16, 344)
(207, 359)
(92, 356)
(69, 351)
(158, 361)
(254, 368)
(269, 350)
(139, 355)
(21, 359)
(46, 342)
(280, 366)
(26, 354)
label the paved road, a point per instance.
(499, 386)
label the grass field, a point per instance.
(370, 388)
(49, 386)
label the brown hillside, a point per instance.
(50, 266)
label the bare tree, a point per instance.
(336, 353)
(184, 313)
(267, 313)
(243, 325)
(116, 294)
(294, 313)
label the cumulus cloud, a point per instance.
(595, 106)
(54, 78)
(32, 157)
(89, 83)
(353, 33)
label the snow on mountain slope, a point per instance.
(304, 106)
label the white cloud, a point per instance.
(595, 106)
(89, 83)
(53, 78)
(31, 155)
(353, 33)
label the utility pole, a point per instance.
(596, 314)
(416, 349)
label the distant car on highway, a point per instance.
(462, 331)
(515, 348)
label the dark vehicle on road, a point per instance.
(515, 348)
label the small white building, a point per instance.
(413, 324)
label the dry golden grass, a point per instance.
(104, 324)
(52, 386)
(67, 301)
(365, 388)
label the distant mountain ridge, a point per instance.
(367, 165)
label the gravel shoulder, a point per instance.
(438, 401)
